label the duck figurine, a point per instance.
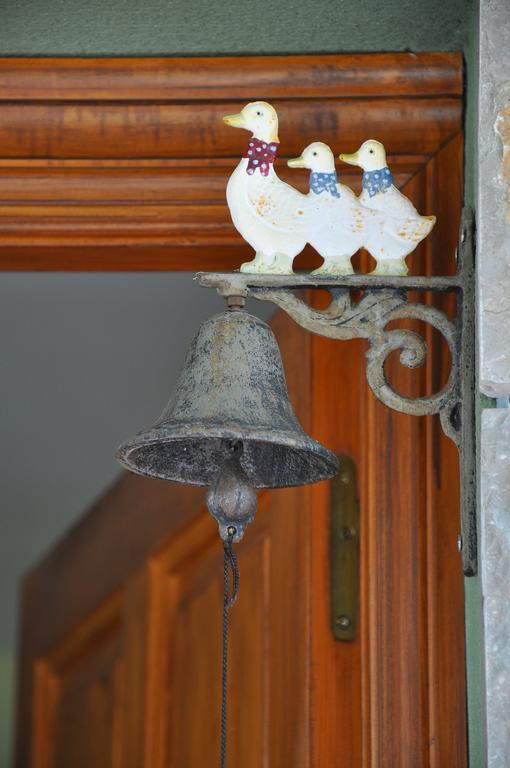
(403, 227)
(268, 213)
(338, 223)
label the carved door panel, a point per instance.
(135, 681)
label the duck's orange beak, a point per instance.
(351, 159)
(236, 121)
(296, 162)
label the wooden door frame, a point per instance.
(121, 164)
(97, 174)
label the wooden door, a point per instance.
(120, 637)
(121, 634)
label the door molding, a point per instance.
(121, 164)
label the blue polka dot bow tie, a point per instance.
(377, 181)
(324, 182)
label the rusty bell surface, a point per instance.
(231, 398)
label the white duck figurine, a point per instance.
(338, 223)
(269, 214)
(403, 227)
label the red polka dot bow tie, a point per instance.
(261, 155)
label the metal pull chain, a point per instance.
(229, 563)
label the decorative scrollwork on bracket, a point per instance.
(367, 319)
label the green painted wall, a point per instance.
(209, 27)
(169, 27)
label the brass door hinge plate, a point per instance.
(344, 551)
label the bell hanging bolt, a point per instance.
(236, 302)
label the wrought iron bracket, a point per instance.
(384, 299)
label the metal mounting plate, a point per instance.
(344, 551)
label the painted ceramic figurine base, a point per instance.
(278, 221)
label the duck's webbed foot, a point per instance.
(390, 267)
(276, 264)
(282, 265)
(335, 265)
(259, 265)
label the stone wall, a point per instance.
(494, 366)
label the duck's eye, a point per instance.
(259, 114)
(315, 154)
(371, 151)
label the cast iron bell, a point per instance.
(230, 424)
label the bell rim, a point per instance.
(301, 443)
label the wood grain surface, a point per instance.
(108, 155)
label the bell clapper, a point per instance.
(231, 500)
